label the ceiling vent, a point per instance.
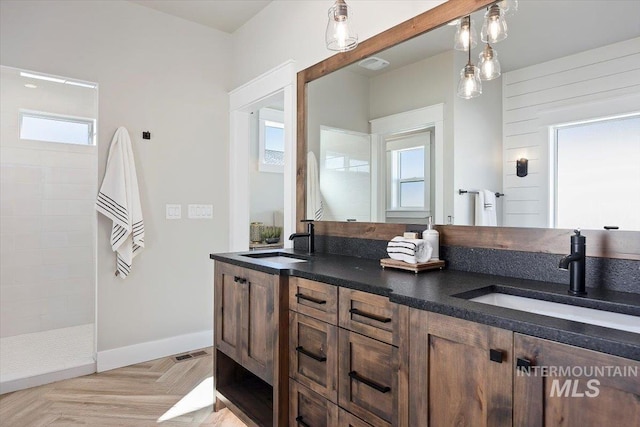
(373, 63)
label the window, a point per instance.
(408, 160)
(271, 140)
(49, 127)
(596, 166)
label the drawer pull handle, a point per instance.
(312, 299)
(302, 423)
(370, 316)
(300, 349)
(382, 389)
(523, 364)
(240, 280)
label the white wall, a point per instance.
(47, 221)
(553, 93)
(478, 145)
(170, 77)
(295, 30)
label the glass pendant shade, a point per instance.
(494, 28)
(508, 7)
(470, 85)
(465, 35)
(339, 35)
(489, 65)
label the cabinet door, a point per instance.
(368, 378)
(227, 301)
(348, 420)
(313, 350)
(460, 372)
(259, 326)
(309, 409)
(605, 392)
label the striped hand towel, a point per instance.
(119, 200)
(412, 251)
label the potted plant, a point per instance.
(271, 234)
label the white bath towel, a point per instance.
(119, 200)
(486, 208)
(412, 251)
(314, 197)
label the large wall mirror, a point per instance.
(396, 145)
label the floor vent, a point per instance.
(188, 356)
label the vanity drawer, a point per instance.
(368, 379)
(313, 354)
(349, 420)
(315, 299)
(371, 315)
(308, 409)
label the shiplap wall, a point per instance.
(597, 83)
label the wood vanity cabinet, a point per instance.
(250, 335)
(351, 369)
(552, 399)
(373, 364)
(460, 372)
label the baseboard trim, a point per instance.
(49, 377)
(143, 352)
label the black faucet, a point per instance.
(309, 234)
(575, 263)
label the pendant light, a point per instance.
(470, 85)
(339, 35)
(465, 34)
(508, 7)
(494, 28)
(489, 65)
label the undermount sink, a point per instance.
(278, 257)
(624, 322)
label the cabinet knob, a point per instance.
(523, 364)
(495, 355)
(240, 280)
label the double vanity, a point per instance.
(328, 340)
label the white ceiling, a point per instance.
(223, 15)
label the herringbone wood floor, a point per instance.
(136, 396)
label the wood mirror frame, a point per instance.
(600, 243)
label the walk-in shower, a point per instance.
(47, 228)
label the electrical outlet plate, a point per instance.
(173, 211)
(200, 211)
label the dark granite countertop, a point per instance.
(447, 292)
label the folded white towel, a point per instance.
(412, 251)
(485, 212)
(119, 200)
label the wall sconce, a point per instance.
(522, 167)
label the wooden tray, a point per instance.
(416, 268)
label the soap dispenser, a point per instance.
(432, 236)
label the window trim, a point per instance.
(268, 115)
(395, 143)
(22, 113)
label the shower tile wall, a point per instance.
(47, 227)
(47, 232)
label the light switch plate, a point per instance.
(174, 211)
(200, 212)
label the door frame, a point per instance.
(242, 101)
